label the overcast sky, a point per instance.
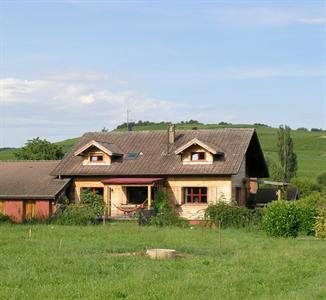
(67, 67)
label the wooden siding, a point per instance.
(186, 156)
(106, 158)
(218, 189)
(29, 210)
(2, 207)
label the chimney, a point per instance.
(171, 134)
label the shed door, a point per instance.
(2, 207)
(29, 210)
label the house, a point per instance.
(28, 191)
(194, 167)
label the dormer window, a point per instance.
(99, 153)
(96, 158)
(195, 156)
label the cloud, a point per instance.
(75, 98)
(313, 21)
(264, 16)
(246, 73)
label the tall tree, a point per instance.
(37, 149)
(288, 158)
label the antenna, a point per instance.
(128, 111)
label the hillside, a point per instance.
(309, 146)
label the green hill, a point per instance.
(309, 146)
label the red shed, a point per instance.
(27, 191)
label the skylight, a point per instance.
(132, 155)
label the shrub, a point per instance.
(282, 218)
(230, 215)
(75, 215)
(321, 179)
(93, 200)
(320, 224)
(306, 186)
(165, 214)
(307, 216)
(4, 219)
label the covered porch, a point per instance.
(126, 196)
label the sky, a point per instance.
(70, 67)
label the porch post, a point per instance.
(149, 196)
(108, 204)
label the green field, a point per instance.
(107, 262)
(309, 146)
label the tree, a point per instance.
(275, 169)
(288, 158)
(37, 149)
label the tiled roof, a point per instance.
(29, 180)
(159, 159)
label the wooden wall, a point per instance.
(186, 156)
(218, 189)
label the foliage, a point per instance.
(166, 215)
(37, 149)
(230, 215)
(305, 185)
(307, 217)
(282, 218)
(315, 199)
(287, 157)
(321, 179)
(93, 200)
(4, 219)
(75, 215)
(320, 225)
(275, 170)
(83, 214)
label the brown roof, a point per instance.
(158, 160)
(29, 180)
(108, 148)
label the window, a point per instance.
(95, 158)
(194, 195)
(132, 155)
(197, 156)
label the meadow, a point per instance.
(309, 146)
(107, 262)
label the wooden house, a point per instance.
(194, 167)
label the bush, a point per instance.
(282, 218)
(320, 224)
(75, 215)
(165, 214)
(307, 218)
(4, 219)
(230, 215)
(306, 186)
(321, 179)
(93, 200)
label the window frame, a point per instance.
(199, 153)
(189, 192)
(97, 160)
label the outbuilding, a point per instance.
(28, 191)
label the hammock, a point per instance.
(130, 210)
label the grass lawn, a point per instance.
(248, 265)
